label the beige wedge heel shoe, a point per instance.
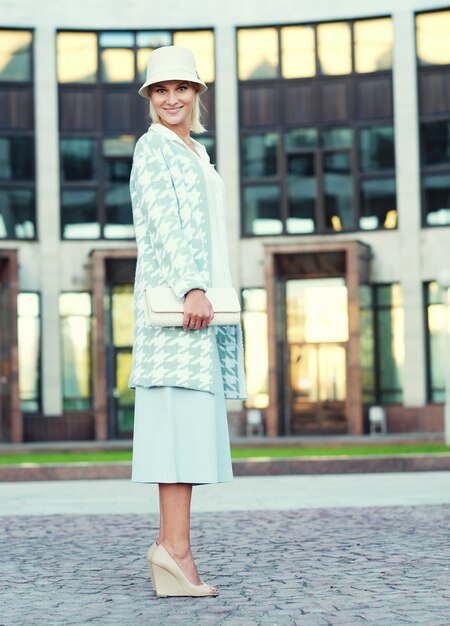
(169, 580)
(150, 552)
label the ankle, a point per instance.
(179, 550)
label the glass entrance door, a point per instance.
(317, 336)
(4, 359)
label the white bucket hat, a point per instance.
(171, 63)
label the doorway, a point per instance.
(316, 344)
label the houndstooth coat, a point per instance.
(171, 221)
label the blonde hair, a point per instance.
(196, 122)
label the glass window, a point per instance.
(15, 55)
(254, 320)
(117, 65)
(338, 190)
(79, 214)
(367, 345)
(122, 315)
(262, 210)
(16, 158)
(438, 326)
(201, 42)
(433, 38)
(259, 155)
(17, 214)
(436, 190)
(373, 45)
(75, 320)
(119, 217)
(436, 142)
(77, 57)
(121, 146)
(336, 138)
(146, 42)
(302, 192)
(28, 330)
(378, 204)
(116, 39)
(300, 138)
(257, 53)
(390, 338)
(376, 145)
(79, 159)
(334, 44)
(298, 55)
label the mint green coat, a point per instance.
(171, 221)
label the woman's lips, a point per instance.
(172, 111)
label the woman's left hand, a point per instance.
(198, 311)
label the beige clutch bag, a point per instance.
(163, 308)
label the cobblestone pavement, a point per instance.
(310, 567)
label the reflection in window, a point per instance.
(373, 45)
(300, 138)
(376, 146)
(433, 38)
(28, 330)
(119, 218)
(257, 53)
(436, 189)
(79, 159)
(336, 138)
(254, 320)
(16, 158)
(202, 45)
(15, 55)
(298, 56)
(77, 57)
(338, 190)
(75, 320)
(438, 317)
(436, 142)
(378, 204)
(390, 340)
(302, 192)
(122, 315)
(117, 65)
(259, 155)
(334, 48)
(79, 214)
(17, 214)
(367, 344)
(262, 210)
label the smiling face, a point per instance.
(173, 101)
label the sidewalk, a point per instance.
(287, 550)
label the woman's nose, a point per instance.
(172, 97)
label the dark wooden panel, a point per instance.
(298, 101)
(374, 97)
(78, 109)
(434, 91)
(118, 107)
(16, 108)
(334, 101)
(66, 427)
(259, 104)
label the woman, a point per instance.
(181, 375)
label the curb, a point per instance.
(246, 467)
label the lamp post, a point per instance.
(444, 281)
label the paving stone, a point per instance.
(384, 566)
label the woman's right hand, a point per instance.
(198, 312)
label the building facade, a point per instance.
(332, 134)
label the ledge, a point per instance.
(245, 467)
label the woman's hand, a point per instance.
(198, 311)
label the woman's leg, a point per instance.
(174, 534)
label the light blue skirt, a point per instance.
(181, 435)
